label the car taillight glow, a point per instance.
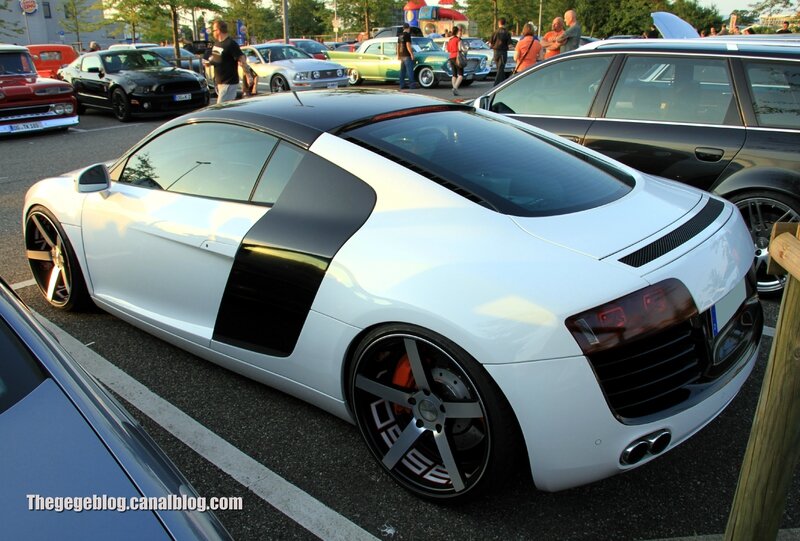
(633, 316)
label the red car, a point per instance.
(50, 57)
(310, 46)
(29, 102)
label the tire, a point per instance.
(278, 83)
(81, 109)
(426, 78)
(438, 455)
(465, 84)
(760, 211)
(121, 105)
(354, 78)
(53, 262)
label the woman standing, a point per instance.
(457, 59)
(528, 49)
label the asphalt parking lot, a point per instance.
(304, 474)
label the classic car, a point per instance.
(134, 82)
(547, 310)
(376, 60)
(29, 102)
(310, 46)
(68, 447)
(188, 60)
(49, 58)
(139, 45)
(284, 67)
(721, 115)
(479, 47)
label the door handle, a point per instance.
(708, 154)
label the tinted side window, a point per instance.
(19, 372)
(280, 169)
(564, 88)
(674, 89)
(208, 159)
(775, 88)
(91, 62)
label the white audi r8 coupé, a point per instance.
(478, 296)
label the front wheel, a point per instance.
(121, 105)
(53, 262)
(426, 78)
(761, 210)
(431, 415)
(279, 84)
(465, 83)
(354, 78)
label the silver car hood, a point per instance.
(308, 64)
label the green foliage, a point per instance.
(262, 23)
(771, 7)
(363, 15)
(7, 27)
(82, 16)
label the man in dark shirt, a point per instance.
(500, 41)
(571, 39)
(226, 56)
(784, 29)
(405, 53)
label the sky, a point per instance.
(725, 7)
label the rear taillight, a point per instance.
(632, 316)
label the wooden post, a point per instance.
(774, 446)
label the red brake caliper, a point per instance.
(403, 377)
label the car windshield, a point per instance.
(425, 44)
(495, 163)
(476, 44)
(16, 63)
(132, 59)
(311, 46)
(273, 54)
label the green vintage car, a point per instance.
(376, 60)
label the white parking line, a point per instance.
(20, 285)
(296, 504)
(81, 130)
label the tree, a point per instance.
(769, 7)
(82, 16)
(130, 12)
(6, 27)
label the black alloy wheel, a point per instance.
(279, 84)
(52, 261)
(121, 105)
(431, 415)
(761, 210)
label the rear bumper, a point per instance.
(32, 125)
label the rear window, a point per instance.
(19, 371)
(495, 163)
(775, 88)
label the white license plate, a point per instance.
(726, 307)
(182, 97)
(333, 85)
(25, 126)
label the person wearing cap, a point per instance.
(405, 53)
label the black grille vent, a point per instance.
(329, 74)
(178, 87)
(669, 242)
(651, 374)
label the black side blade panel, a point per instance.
(279, 267)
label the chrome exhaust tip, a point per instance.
(658, 441)
(634, 452)
(652, 444)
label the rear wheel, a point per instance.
(465, 83)
(52, 261)
(431, 415)
(761, 210)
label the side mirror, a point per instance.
(93, 69)
(94, 178)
